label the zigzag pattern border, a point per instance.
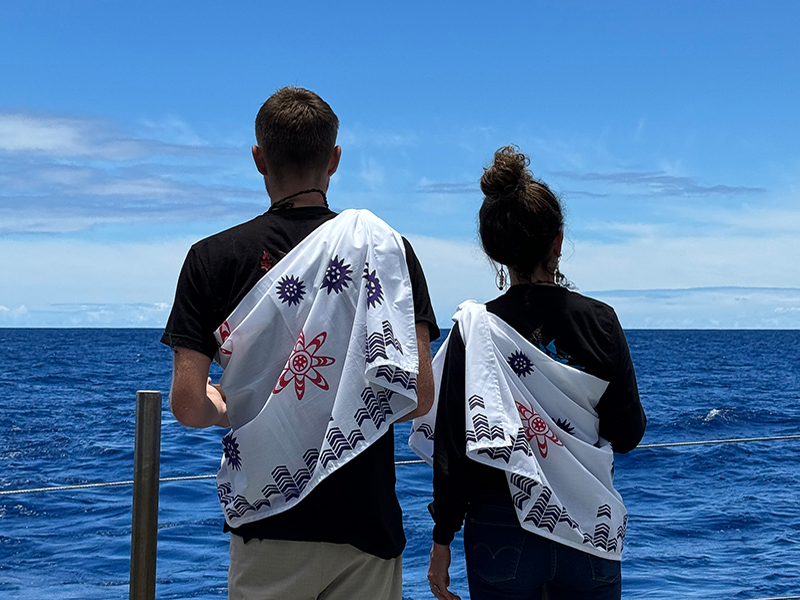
(287, 485)
(339, 444)
(399, 376)
(311, 458)
(474, 401)
(377, 406)
(237, 506)
(378, 342)
(388, 337)
(482, 431)
(519, 443)
(525, 486)
(547, 515)
(426, 430)
(290, 486)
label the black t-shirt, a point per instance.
(572, 328)
(357, 503)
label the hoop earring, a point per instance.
(500, 279)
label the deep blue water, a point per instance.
(707, 522)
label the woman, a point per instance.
(541, 512)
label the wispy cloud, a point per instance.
(372, 174)
(648, 183)
(101, 139)
(88, 315)
(360, 137)
(449, 188)
(661, 184)
(665, 261)
(583, 194)
(706, 307)
(61, 174)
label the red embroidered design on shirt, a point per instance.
(536, 427)
(224, 334)
(266, 261)
(302, 365)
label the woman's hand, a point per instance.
(439, 572)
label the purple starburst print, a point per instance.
(291, 290)
(336, 275)
(374, 289)
(565, 425)
(231, 449)
(521, 364)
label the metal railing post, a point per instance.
(144, 530)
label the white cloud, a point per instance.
(458, 270)
(61, 173)
(40, 272)
(664, 262)
(20, 132)
(12, 315)
(77, 284)
(65, 137)
(90, 315)
(706, 308)
(361, 137)
(172, 129)
(372, 173)
(455, 271)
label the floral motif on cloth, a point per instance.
(536, 427)
(303, 364)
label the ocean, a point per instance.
(716, 521)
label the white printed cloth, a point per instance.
(320, 358)
(534, 417)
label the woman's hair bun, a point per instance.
(520, 216)
(502, 179)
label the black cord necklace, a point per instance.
(284, 203)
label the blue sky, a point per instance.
(669, 128)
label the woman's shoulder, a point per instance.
(568, 300)
(595, 320)
(578, 301)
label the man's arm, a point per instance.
(425, 375)
(193, 400)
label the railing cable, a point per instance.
(779, 598)
(83, 486)
(725, 441)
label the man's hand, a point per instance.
(439, 572)
(193, 400)
(217, 397)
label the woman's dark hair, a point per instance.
(520, 216)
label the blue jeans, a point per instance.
(506, 562)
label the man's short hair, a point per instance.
(296, 129)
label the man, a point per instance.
(344, 538)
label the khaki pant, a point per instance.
(284, 570)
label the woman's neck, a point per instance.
(540, 276)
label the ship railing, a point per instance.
(146, 480)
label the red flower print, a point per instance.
(266, 261)
(224, 332)
(302, 365)
(535, 427)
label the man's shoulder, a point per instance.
(232, 234)
(268, 236)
